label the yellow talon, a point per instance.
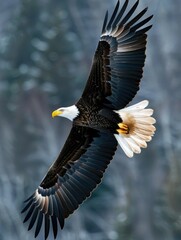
(123, 128)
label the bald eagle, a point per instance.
(100, 119)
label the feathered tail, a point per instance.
(136, 128)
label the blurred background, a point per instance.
(46, 49)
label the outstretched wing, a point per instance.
(71, 179)
(119, 59)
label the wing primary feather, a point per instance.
(81, 194)
(66, 201)
(46, 205)
(92, 169)
(54, 225)
(50, 205)
(61, 223)
(41, 206)
(47, 225)
(120, 14)
(29, 213)
(140, 24)
(143, 30)
(33, 218)
(82, 181)
(75, 195)
(105, 23)
(70, 197)
(130, 13)
(113, 16)
(135, 19)
(89, 175)
(87, 180)
(61, 211)
(39, 224)
(29, 198)
(94, 164)
(63, 202)
(75, 184)
(55, 207)
(27, 205)
(78, 185)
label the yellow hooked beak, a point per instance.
(56, 113)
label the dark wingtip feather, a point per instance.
(61, 222)
(33, 218)
(39, 224)
(55, 206)
(47, 225)
(29, 198)
(144, 30)
(113, 15)
(61, 210)
(29, 213)
(27, 206)
(136, 18)
(54, 225)
(105, 22)
(130, 13)
(122, 11)
(140, 24)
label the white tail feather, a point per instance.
(141, 129)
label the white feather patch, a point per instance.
(141, 129)
(128, 151)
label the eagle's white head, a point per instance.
(68, 112)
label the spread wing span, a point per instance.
(113, 81)
(71, 179)
(119, 59)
